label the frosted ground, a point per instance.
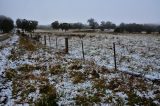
(32, 73)
(135, 53)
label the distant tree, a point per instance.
(148, 28)
(19, 23)
(113, 26)
(24, 25)
(118, 30)
(1, 20)
(133, 27)
(65, 26)
(35, 24)
(158, 29)
(55, 25)
(122, 27)
(77, 25)
(31, 25)
(136, 28)
(110, 25)
(92, 23)
(6, 24)
(102, 26)
(107, 25)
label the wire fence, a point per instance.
(135, 56)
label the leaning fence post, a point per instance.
(66, 45)
(82, 49)
(45, 39)
(115, 64)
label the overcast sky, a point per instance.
(117, 11)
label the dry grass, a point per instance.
(12, 57)
(77, 77)
(10, 74)
(26, 82)
(27, 44)
(49, 96)
(56, 69)
(75, 66)
(85, 100)
(26, 68)
(99, 84)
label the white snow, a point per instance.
(134, 53)
(4, 53)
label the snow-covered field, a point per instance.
(135, 53)
(34, 74)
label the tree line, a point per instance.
(92, 25)
(123, 27)
(7, 24)
(66, 26)
(26, 25)
(137, 28)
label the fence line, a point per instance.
(92, 44)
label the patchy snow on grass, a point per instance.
(136, 53)
(6, 89)
(5, 52)
(34, 74)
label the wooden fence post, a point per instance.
(66, 45)
(115, 64)
(41, 39)
(31, 36)
(49, 41)
(82, 49)
(56, 44)
(45, 39)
